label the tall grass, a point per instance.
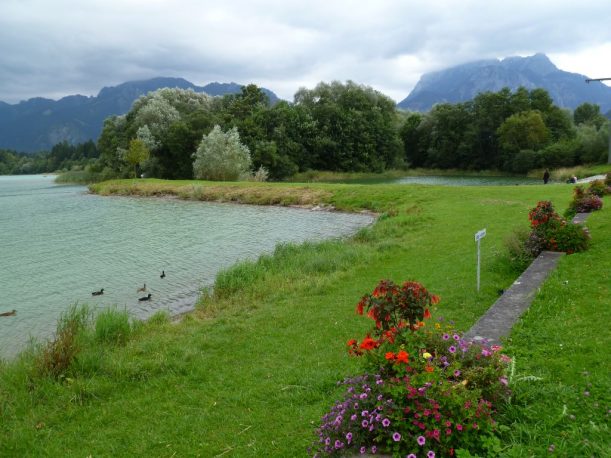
(56, 357)
(112, 326)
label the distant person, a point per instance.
(545, 176)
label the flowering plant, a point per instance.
(425, 390)
(551, 232)
(584, 201)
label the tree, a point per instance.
(221, 157)
(355, 127)
(588, 113)
(525, 130)
(136, 154)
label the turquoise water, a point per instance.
(58, 244)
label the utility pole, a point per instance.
(609, 122)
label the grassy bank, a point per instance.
(251, 372)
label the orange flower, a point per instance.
(351, 343)
(389, 356)
(428, 368)
(435, 299)
(421, 324)
(427, 314)
(368, 343)
(403, 357)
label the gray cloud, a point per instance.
(64, 47)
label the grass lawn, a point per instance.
(252, 371)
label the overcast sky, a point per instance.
(53, 48)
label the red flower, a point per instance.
(368, 344)
(389, 356)
(427, 314)
(403, 357)
(351, 343)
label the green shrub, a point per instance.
(112, 326)
(521, 250)
(598, 188)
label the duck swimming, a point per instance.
(12, 313)
(162, 274)
(142, 290)
(98, 293)
(146, 298)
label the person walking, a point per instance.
(545, 176)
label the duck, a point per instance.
(146, 298)
(142, 290)
(11, 313)
(98, 293)
(162, 274)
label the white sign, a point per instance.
(480, 235)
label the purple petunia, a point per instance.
(457, 373)
(364, 423)
(364, 413)
(421, 440)
(362, 450)
(396, 437)
(386, 423)
(349, 437)
(431, 454)
(445, 336)
(339, 444)
(456, 337)
(452, 349)
(374, 449)
(412, 455)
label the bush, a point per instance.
(221, 157)
(112, 326)
(424, 388)
(553, 233)
(583, 202)
(599, 188)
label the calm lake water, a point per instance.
(58, 244)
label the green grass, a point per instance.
(563, 341)
(252, 371)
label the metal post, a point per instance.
(478, 266)
(478, 236)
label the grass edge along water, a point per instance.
(213, 379)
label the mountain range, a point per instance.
(464, 82)
(38, 123)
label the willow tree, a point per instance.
(221, 156)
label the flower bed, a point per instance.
(423, 392)
(551, 232)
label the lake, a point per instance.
(58, 244)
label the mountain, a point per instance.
(463, 82)
(38, 124)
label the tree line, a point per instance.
(62, 157)
(179, 134)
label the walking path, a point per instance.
(500, 318)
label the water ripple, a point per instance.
(58, 244)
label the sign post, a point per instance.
(478, 236)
